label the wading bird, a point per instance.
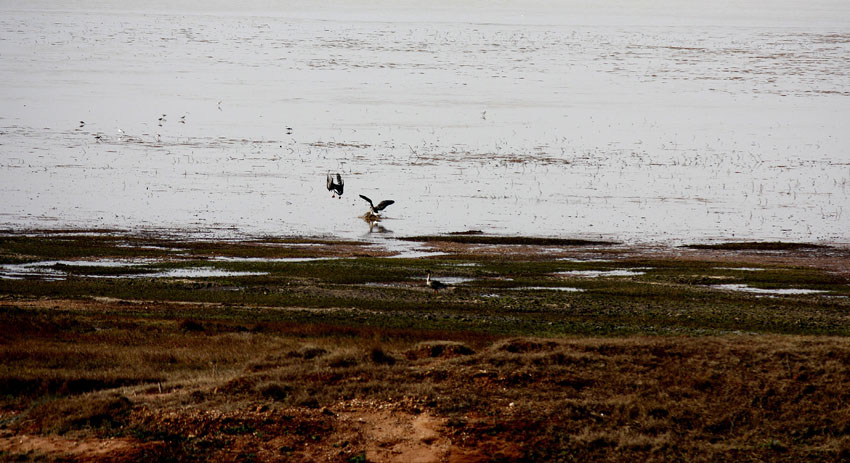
(434, 284)
(335, 186)
(376, 210)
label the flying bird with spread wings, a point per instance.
(376, 210)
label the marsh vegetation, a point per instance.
(651, 356)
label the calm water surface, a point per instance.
(637, 123)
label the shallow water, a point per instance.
(742, 269)
(600, 273)
(776, 292)
(658, 122)
(568, 289)
(197, 272)
(453, 280)
(51, 270)
(272, 259)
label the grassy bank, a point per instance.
(298, 350)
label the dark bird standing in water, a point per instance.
(434, 284)
(375, 210)
(335, 186)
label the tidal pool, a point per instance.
(777, 292)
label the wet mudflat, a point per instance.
(671, 125)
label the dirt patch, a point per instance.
(392, 436)
(87, 448)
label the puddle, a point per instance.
(404, 249)
(388, 285)
(42, 273)
(773, 292)
(416, 254)
(271, 259)
(568, 289)
(196, 272)
(743, 269)
(600, 273)
(450, 280)
(149, 246)
(292, 245)
(446, 280)
(46, 270)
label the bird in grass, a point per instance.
(335, 187)
(434, 284)
(376, 210)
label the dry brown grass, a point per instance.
(220, 392)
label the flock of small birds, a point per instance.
(161, 120)
(336, 186)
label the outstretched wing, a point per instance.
(367, 200)
(383, 204)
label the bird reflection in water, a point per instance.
(374, 222)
